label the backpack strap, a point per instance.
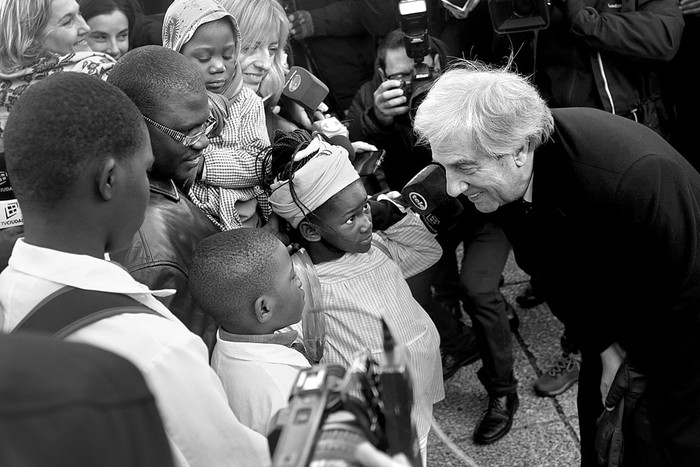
(69, 309)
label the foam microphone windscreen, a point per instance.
(304, 88)
(427, 189)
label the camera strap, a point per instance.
(69, 309)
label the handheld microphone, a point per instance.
(304, 88)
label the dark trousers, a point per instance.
(486, 250)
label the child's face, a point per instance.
(256, 60)
(346, 219)
(287, 290)
(213, 49)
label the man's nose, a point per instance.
(455, 187)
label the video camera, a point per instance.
(511, 16)
(331, 411)
(413, 16)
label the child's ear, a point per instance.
(263, 309)
(105, 178)
(309, 231)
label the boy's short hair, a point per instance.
(231, 269)
(149, 75)
(59, 126)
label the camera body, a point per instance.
(413, 19)
(332, 410)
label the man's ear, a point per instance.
(309, 231)
(522, 155)
(106, 178)
(263, 310)
(437, 66)
(382, 73)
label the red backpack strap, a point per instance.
(69, 309)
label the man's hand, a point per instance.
(459, 14)
(389, 101)
(612, 358)
(301, 25)
(690, 7)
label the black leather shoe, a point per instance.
(529, 298)
(497, 420)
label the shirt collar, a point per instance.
(85, 272)
(166, 188)
(285, 338)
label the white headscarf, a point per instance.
(327, 173)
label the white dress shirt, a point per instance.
(257, 377)
(201, 428)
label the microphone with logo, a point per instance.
(426, 194)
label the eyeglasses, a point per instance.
(182, 138)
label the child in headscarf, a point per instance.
(362, 252)
(228, 188)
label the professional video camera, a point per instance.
(414, 25)
(330, 411)
(511, 16)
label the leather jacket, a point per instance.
(161, 252)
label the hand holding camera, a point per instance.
(301, 25)
(390, 100)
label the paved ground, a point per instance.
(545, 430)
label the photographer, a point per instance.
(380, 114)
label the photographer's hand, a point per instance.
(459, 14)
(301, 25)
(372, 457)
(389, 101)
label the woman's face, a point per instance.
(257, 59)
(66, 31)
(109, 34)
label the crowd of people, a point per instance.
(160, 193)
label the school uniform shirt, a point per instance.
(358, 290)
(258, 373)
(201, 428)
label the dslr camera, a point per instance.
(413, 16)
(332, 410)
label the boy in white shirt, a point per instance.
(244, 278)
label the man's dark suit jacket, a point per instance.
(613, 241)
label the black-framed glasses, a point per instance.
(182, 138)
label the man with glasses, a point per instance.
(172, 99)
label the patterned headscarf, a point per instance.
(327, 172)
(181, 21)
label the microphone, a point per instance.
(426, 194)
(304, 88)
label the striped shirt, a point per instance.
(358, 290)
(233, 164)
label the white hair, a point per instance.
(487, 109)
